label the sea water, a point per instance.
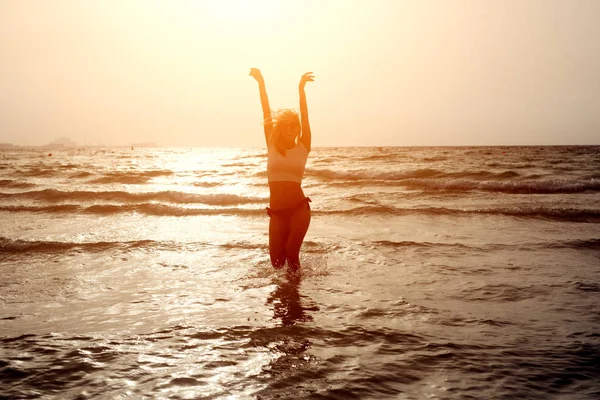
(434, 272)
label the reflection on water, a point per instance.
(290, 342)
(287, 302)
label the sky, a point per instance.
(387, 72)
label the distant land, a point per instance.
(68, 143)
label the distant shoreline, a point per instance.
(10, 146)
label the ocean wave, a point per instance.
(128, 177)
(152, 209)
(155, 209)
(587, 286)
(435, 159)
(9, 183)
(561, 214)
(236, 164)
(26, 246)
(53, 195)
(379, 157)
(530, 186)
(594, 175)
(61, 208)
(422, 173)
(547, 186)
(68, 166)
(411, 244)
(166, 210)
(579, 244)
(18, 246)
(207, 184)
(131, 177)
(37, 172)
(80, 175)
(500, 293)
(369, 174)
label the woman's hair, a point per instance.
(279, 118)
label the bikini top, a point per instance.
(289, 167)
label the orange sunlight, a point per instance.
(243, 16)
(387, 72)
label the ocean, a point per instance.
(427, 273)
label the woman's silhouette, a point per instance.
(288, 143)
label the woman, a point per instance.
(288, 144)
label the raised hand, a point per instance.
(255, 73)
(307, 77)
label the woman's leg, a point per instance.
(278, 234)
(299, 223)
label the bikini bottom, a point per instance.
(288, 212)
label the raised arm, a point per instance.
(264, 102)
(305, 136)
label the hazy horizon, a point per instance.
(138, 146)
(387, 73)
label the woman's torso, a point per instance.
(284, 194)
(285, 176)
